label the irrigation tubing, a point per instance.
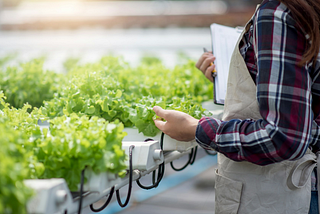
(192, 158)
(81, 191)
(105, 204)
(161, 169)
(130, 181)
(194, 155)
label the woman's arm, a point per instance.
(283, 94)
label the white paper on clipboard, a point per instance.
(224, 39)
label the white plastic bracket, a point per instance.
(145, 155)
(51, 196)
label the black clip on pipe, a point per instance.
(160, 170)
(130, 181)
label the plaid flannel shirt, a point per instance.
(288, 95)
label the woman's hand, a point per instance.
(205, 64)
(178, 125)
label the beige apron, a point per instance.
(246, 188)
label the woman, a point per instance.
(269, 135)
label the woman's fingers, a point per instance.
(208, 72)
(178, 125)
(160, 124)
(208, 62)
(159, 111)
(205, 64)
(201, 60)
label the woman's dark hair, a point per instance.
(307, 14)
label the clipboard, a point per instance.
(223, 40)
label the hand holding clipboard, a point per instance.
(214, 72)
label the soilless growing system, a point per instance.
(68, 140)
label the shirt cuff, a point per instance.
(206, 133)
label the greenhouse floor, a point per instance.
(190, 191)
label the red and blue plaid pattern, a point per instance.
(288, 95)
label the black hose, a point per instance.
(192, 158)
(81, 191)
(105, 204)
(130, 181)
(194, 155)
(161, 169)
(154, 182)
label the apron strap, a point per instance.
(300, 173)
